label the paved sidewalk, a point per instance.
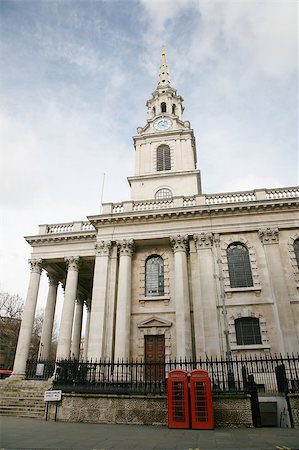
(17, 433)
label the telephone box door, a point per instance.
(201, 400)
(177, 399)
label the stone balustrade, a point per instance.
(176, 202)
(71, 227)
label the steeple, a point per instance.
(164, 99)
(164, 79)
(165, 147)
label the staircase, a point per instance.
(23, 398)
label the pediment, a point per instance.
(154, 321)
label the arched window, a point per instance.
(154, 276)
(173, 109)
(163, 107)
(154, 111)
(163, 193)
(163, 158)
(248, 331)
(239, 265)
(296, 250)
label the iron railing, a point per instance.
(269, 374)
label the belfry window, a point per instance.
(239, 265)
(154, 276)
(163, 193)
(163, 107)
(296, 250)
(248, 331)
(163, 158)
(154, 111)
(173, 108)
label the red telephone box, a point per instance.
(201, 400)
(177, 399)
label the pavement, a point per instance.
(18, 433)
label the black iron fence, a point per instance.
(241, 374)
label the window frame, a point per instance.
(163, 158)
(296, 250)
(239, 266)
(245, 338)
(154, 287)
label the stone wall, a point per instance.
(294, 403)
(229, 410)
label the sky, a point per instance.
(74, 80)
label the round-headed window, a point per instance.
(163, 193)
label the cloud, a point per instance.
(20, 163)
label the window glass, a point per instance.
(248, 331)
(154, 276)
(163, 193)
(239, 266)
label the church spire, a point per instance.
(164, 79)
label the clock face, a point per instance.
(162, 124)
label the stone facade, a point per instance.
(294, 405)
(158, 265)
(229, 410)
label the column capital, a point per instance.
(102, 248)
(53, 279)
(73, 263)
(126, 247)
(178, 242)
(203, 240)
(269, 235)
(88, 304)
(36, 265)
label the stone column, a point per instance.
(181, 295)
(99, 301)
(24, 340)
(66, 324)
(285, 329)
(86, 334)
(123, 308)
(205, 300)
(111, 305)
(47, 329)
(77, 330)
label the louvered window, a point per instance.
(154, 276)
(163, 158)
(239, 266)
(248, 331)
(296, 250)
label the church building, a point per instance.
(173, 272)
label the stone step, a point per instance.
(21, 398)
(21, 401)
(29, 414)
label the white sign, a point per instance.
(40, 369)
(52, 396)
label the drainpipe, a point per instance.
(222, 296)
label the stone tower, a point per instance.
(165, 147)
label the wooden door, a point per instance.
(154, 351)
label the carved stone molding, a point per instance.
(178, 243)
(88, 304)
(36, 265)
(203, 240)
(53, 279)
(103, 248)
(269, 235)
(126, 247)
(73, 263)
